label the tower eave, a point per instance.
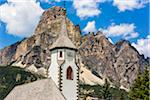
(51, 49)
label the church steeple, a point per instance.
(64, 27)
(63, 69)
(63, 40)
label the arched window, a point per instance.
(69, 73)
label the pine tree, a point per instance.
(140, 89)
(106, 91)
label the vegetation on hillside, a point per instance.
(102, 92)
(140, 89)
(10, 76)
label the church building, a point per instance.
(63, 69)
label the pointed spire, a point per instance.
(64, 27)
(63, 40)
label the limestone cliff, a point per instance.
(51, 22)
(120, 62)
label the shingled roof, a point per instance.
(44, 89)
(63, 40)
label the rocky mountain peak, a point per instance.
(121, 42)
(120, 62)
(54, 11)
(51, 21)
(50, 15)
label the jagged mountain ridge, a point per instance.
(120, 62)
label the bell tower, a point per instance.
(63, 69)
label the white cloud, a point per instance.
(90, 27)
(127, 31)
(143, 46)
(123, 5)
(87, 8)
(20, 16)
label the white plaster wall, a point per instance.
(69, 87)
(54, 67)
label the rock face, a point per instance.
(120, 62)
(51, 22)
(7, 54)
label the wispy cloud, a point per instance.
(123, 5)
(143, 46)
(124, 30)
(87, 8)
(20, 16)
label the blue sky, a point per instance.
(118, 19)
